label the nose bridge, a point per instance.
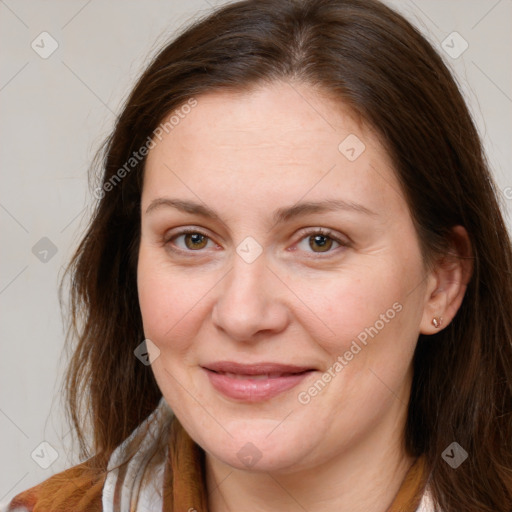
(247, 303)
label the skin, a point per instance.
(244, 155)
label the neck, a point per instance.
(365, 477)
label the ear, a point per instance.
(447, 282)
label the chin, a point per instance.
(255, 447)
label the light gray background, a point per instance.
(55, 113)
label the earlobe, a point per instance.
(450, 278)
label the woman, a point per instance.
(296, 217)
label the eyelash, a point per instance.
(308, 232)
(305, 233)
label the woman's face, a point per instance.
(286, 316)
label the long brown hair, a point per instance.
(369, 57)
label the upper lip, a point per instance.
(255, 368)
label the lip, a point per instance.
(254, 382)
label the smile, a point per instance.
(254, 383)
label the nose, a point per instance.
(249, 304)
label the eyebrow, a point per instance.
(280, 215)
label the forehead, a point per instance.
(283, 139)
(256, 115)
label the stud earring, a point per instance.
(437, 321)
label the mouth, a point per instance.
(255, 382)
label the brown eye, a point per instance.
(320, 243)
(321, 240)
(189, 240)
(195, 241)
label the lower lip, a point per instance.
(254, 390)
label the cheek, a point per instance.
(373, 324)
(171, 302)
(351, 305)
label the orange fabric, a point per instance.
(76, 489)
(185, 469)
(412, 488)
(79, 489)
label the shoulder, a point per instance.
(76, 489)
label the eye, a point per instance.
(320, 241)
(189, 240)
